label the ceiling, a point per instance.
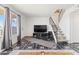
(39, 9)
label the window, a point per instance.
(13, 23)
(13, 19)
(2, 20)
(8, 27)
(2, 23)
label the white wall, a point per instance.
(74, 21)
(65, 24)
(29, 22)
(23, 26)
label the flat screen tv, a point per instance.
(40, 28)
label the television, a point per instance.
(40, 28)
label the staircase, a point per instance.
(59, 37)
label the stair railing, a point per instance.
(54, 29)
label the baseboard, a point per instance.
(75, 43)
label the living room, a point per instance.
(37, 27)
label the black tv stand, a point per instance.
(48, 36)
(40, 35)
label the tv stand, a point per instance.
(44, 35)
(40, 35)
